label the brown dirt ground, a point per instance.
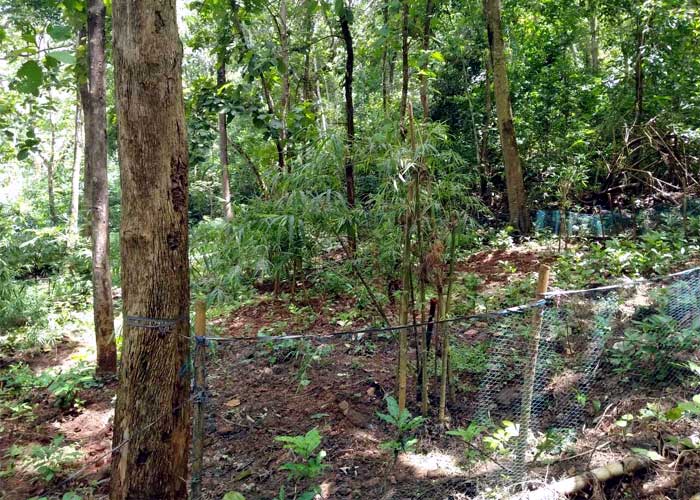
(252, 400)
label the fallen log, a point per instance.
(574, 484)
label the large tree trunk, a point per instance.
(349, 118)
(517, 203)
(75, 179)
(96, 158)
(223, 143)
(152, 410)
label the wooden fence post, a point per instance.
(529, 376)
(199, 390)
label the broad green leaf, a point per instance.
(59, 33)
(30, 77)
(63, 56)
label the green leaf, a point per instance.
(674, 413)
(437, 56)
(62, 56)
(650, 454)
(233, 495)
(59, 33)
(30, 77)
(392, 406)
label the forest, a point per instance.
(382, 249)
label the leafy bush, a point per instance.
(46, 461)
(650, 348)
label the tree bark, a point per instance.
(404, 62)
(96, 158)
(223, 144)
(349, 118)
(152, 410)
(517, 203)
(75, 179)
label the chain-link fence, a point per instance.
(528, 380)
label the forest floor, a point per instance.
(258, 391)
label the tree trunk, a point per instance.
(404, 62)
(639, 75)
(319, 101)
(223, 144)
(284, 101)
(349, 118)
(75, 180)
(484, 146)
(426, 46)
(96, 158)
(307, 86)
(594, 46)
(50, 175)
(385, 58)
(517, 203)
(152, 410)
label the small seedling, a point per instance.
(469, 434)
(306, 464)
(403, 423)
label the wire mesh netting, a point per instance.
(606, 223)
(532, 379)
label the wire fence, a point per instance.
(581, 347)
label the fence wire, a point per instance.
(592, 343)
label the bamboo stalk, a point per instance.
(403, 352)
(448, 299)
(444, 375)
(530, 375)
(200, 327)
(574, 484)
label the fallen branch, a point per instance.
(577, 483)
